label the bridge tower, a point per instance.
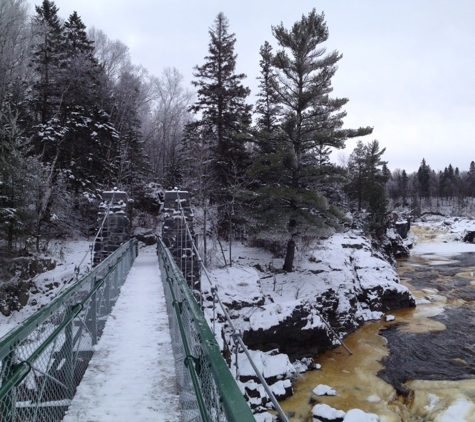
(178, 234)
(113, 224)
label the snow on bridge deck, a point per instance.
(131, 376)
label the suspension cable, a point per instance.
(236, 334)
(99, 230)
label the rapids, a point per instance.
(419, 367)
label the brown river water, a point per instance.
(420, 367)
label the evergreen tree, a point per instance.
(423, 178)
(128, 153)
(82, 72)
(367, 180)
(377, 176)
(357, 175)
(471, 180)
(267, 106)
(310, 124)
(225, 116)
(47, 61)
(403, 186)
(16, 170)
(73, 134)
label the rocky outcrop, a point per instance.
(384, 300)
(28, 267)
(290, 335)
(14, 296)
(343, 283)
(469, 237)
(337, 286)
(393, 245)
(402, 227)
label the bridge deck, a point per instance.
(131, 376)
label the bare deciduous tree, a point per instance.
(14, 45)
(164, 129)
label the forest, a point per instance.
(77, 117)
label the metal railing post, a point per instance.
(107, 291)
(69, 357)
(93, 309)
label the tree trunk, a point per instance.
(289, 256)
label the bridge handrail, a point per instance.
(43, 359)
(23, 330)
(230, 405)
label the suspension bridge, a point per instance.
(103, 351)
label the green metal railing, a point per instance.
(43, 359)
(208, 391)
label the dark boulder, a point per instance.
(469, 237)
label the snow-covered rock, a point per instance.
(357, 415)
(305, 364)
(324, 390)
(264, 417)
(324, 413)
(342, 283)
(273, 366)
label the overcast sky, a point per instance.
(408, 66)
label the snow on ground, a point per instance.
(131, 376)
(69, 255)
(331, 265)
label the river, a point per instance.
(419, 367)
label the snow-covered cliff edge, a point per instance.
(340, 283)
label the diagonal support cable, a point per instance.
(235, 333)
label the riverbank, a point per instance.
(422, 341)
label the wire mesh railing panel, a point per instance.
(208, 391)
(179, 238)
(44, 359)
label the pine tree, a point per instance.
(128, 152)
(310, 124)
(225, 116)
(16, 173)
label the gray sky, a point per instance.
(407, 66)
